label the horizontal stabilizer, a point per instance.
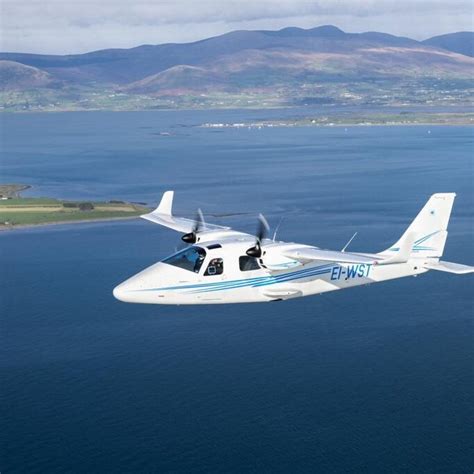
(450, 267)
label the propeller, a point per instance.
(191, 237)
(262, 229)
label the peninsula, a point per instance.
(17, 211)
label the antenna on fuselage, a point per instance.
(350, 240)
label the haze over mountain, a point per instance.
(289, 66)
(462, 42)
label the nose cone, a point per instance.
(124, 292)
(131, 290)
(140, 288)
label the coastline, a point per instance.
(4, 228)
(18, 212)
(361, 120)
(335, 125)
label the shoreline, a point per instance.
(341, 124)
(331, 110)
(4, 228)
(362, 120)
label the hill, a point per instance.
(258, 68)
(462, 42)
(17, 76)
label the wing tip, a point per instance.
(166, 203)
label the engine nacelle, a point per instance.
(273, 258)
(224, 234)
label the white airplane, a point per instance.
(225, 266)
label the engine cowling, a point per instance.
(273, 259)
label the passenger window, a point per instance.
(215, 267)
(247, 263)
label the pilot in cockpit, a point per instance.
(198, 262)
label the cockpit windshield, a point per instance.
(190, 258)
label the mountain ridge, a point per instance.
(461, 42)
(284, 65)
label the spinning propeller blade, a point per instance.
(262, 230)
(199, 224)
(198, 221)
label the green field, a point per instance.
(37, 211)
(315, 90)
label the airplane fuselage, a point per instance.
(165, 283)
(226, 266)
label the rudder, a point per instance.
(429, 227)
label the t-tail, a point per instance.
(428, 232)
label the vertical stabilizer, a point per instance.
(429, 228)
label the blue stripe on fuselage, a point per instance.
(266, 281)
(256, 281)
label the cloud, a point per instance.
(58, 26)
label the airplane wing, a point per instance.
(163, 215)
(308, 254)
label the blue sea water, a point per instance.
(372, 379)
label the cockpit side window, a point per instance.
(190, 259)
(215, 267)
(247, 263)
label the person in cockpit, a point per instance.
(198, 263)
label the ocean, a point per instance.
(372, 379)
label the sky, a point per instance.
(77, 26)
